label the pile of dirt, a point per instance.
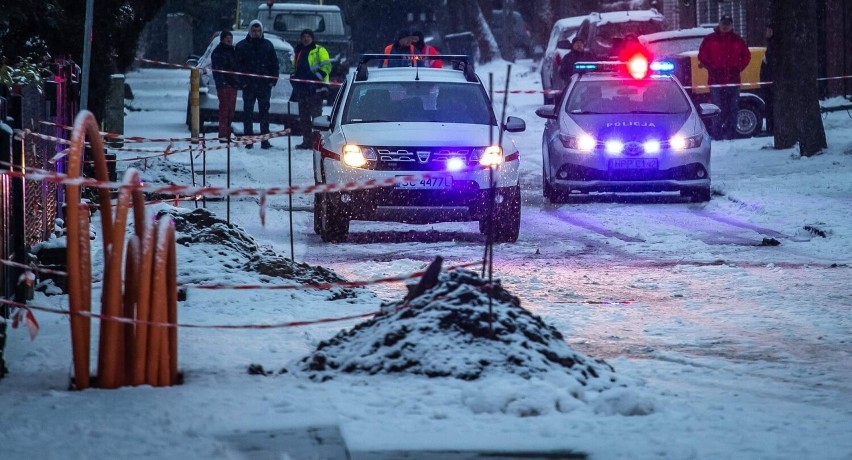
(446, 332)
(229, 247)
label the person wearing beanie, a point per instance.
(224, 58)
(577, 54)
(256, 56)
(311, 63)
(725, 55)
(402, 46)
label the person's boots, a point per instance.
(265, 144)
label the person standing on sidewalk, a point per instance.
(224, 58)
(256, 55)
(725, 55)
(311, 63)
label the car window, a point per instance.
(673, 46)
(285, 61)
(413, 101)
(298, 21)
(624, 96)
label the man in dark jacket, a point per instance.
(224, 58)
(577, 54)
(725, 55)
(311, 63)
(256, 55)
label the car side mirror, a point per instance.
(546, 111)
(709, 110)
(322, 122)
(515, 125)
(192, 61)
(564, 44)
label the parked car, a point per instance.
(672, 42)
(522, 46)
(432, 130)
(560, 35)
(618, 129)
(281, 110)
(287, 20)
(752, 107)
(603, 32)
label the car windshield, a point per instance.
(417, 101)
(674, 46)
(651, 96)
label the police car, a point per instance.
(626, 127)
(432, 134)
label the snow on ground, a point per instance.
(731, 347)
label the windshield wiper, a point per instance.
(650, 112)
(584, 112)
(367, 121)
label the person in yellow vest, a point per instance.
(310, 64)
(404, 46)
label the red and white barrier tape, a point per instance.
(27, 308)
(231, 72)
(392, 279)
(728, 85)
(34, 268)
(187, 190)
(157, 153)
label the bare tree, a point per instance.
(796, 94)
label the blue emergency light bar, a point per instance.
(655, 68)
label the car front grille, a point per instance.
(419, 158)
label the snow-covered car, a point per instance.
(671, 42)
(603, 33)
(281, 110)
(434, 134)
(557, 47)
(626, 128)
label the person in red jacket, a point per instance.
(421, 48)
(725, 55)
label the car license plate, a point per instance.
(634, 163)
(424, 183)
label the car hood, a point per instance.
(632, 127)
(418, 134)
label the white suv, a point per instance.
(430, 132)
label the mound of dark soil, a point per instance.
(446, 332)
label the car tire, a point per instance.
(697, 195)
(507, 217)
(749, 119)
(318, 213)
(552, 195)
(334, 223)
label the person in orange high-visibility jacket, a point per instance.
(422, 49)
(402, 46)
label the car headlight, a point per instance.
(357, 156)
(679, 142)
(583, 142)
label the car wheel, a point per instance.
(318, 213)
(335, 224)
(697, 195)
(749, 120)
(507, 217)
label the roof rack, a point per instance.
(457, 62)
